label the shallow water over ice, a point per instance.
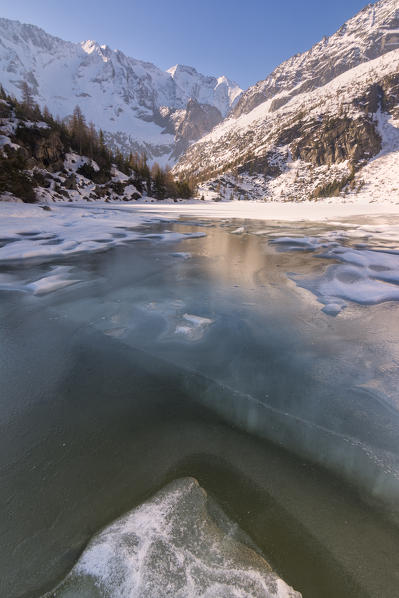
(201, 358)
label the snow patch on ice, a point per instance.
(57, 279)
(364, 276)
(28, 231)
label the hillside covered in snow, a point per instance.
(45, 160)
(137, 105)
(324, 123)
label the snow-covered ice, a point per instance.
(56, 279)
(362, 275)
(367, 273)
(173, 546)
(28, 231)
(313, 211)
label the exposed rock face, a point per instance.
(133, 102)
(389, 92)
(336, 140)
(50, 152)
(42, 147)
(317, 120)
(197, 120)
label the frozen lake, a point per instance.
(261, 359)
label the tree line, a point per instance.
(83, 138)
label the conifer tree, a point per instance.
(92, 137)
(101, 138)
(27, 98)
(78, 127)
(47, 116)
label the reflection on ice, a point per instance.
(179, 544)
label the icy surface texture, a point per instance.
(178, 544)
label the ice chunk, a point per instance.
(194, 327)
(185, 255)
(57, 279)
(179, 544)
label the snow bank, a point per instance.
(316, 211)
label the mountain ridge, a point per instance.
(306, 131)
(356, 41)
(121, 95)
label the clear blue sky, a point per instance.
(243, 39)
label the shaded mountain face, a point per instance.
(138, 106)
(310, 126)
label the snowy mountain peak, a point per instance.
(90, 46)
(103, 51)
(221, 92)
(28, 36)
(182, 68)
(136, 104)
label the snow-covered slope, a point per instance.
(369, 34)
(312, 127)
(132, 101)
